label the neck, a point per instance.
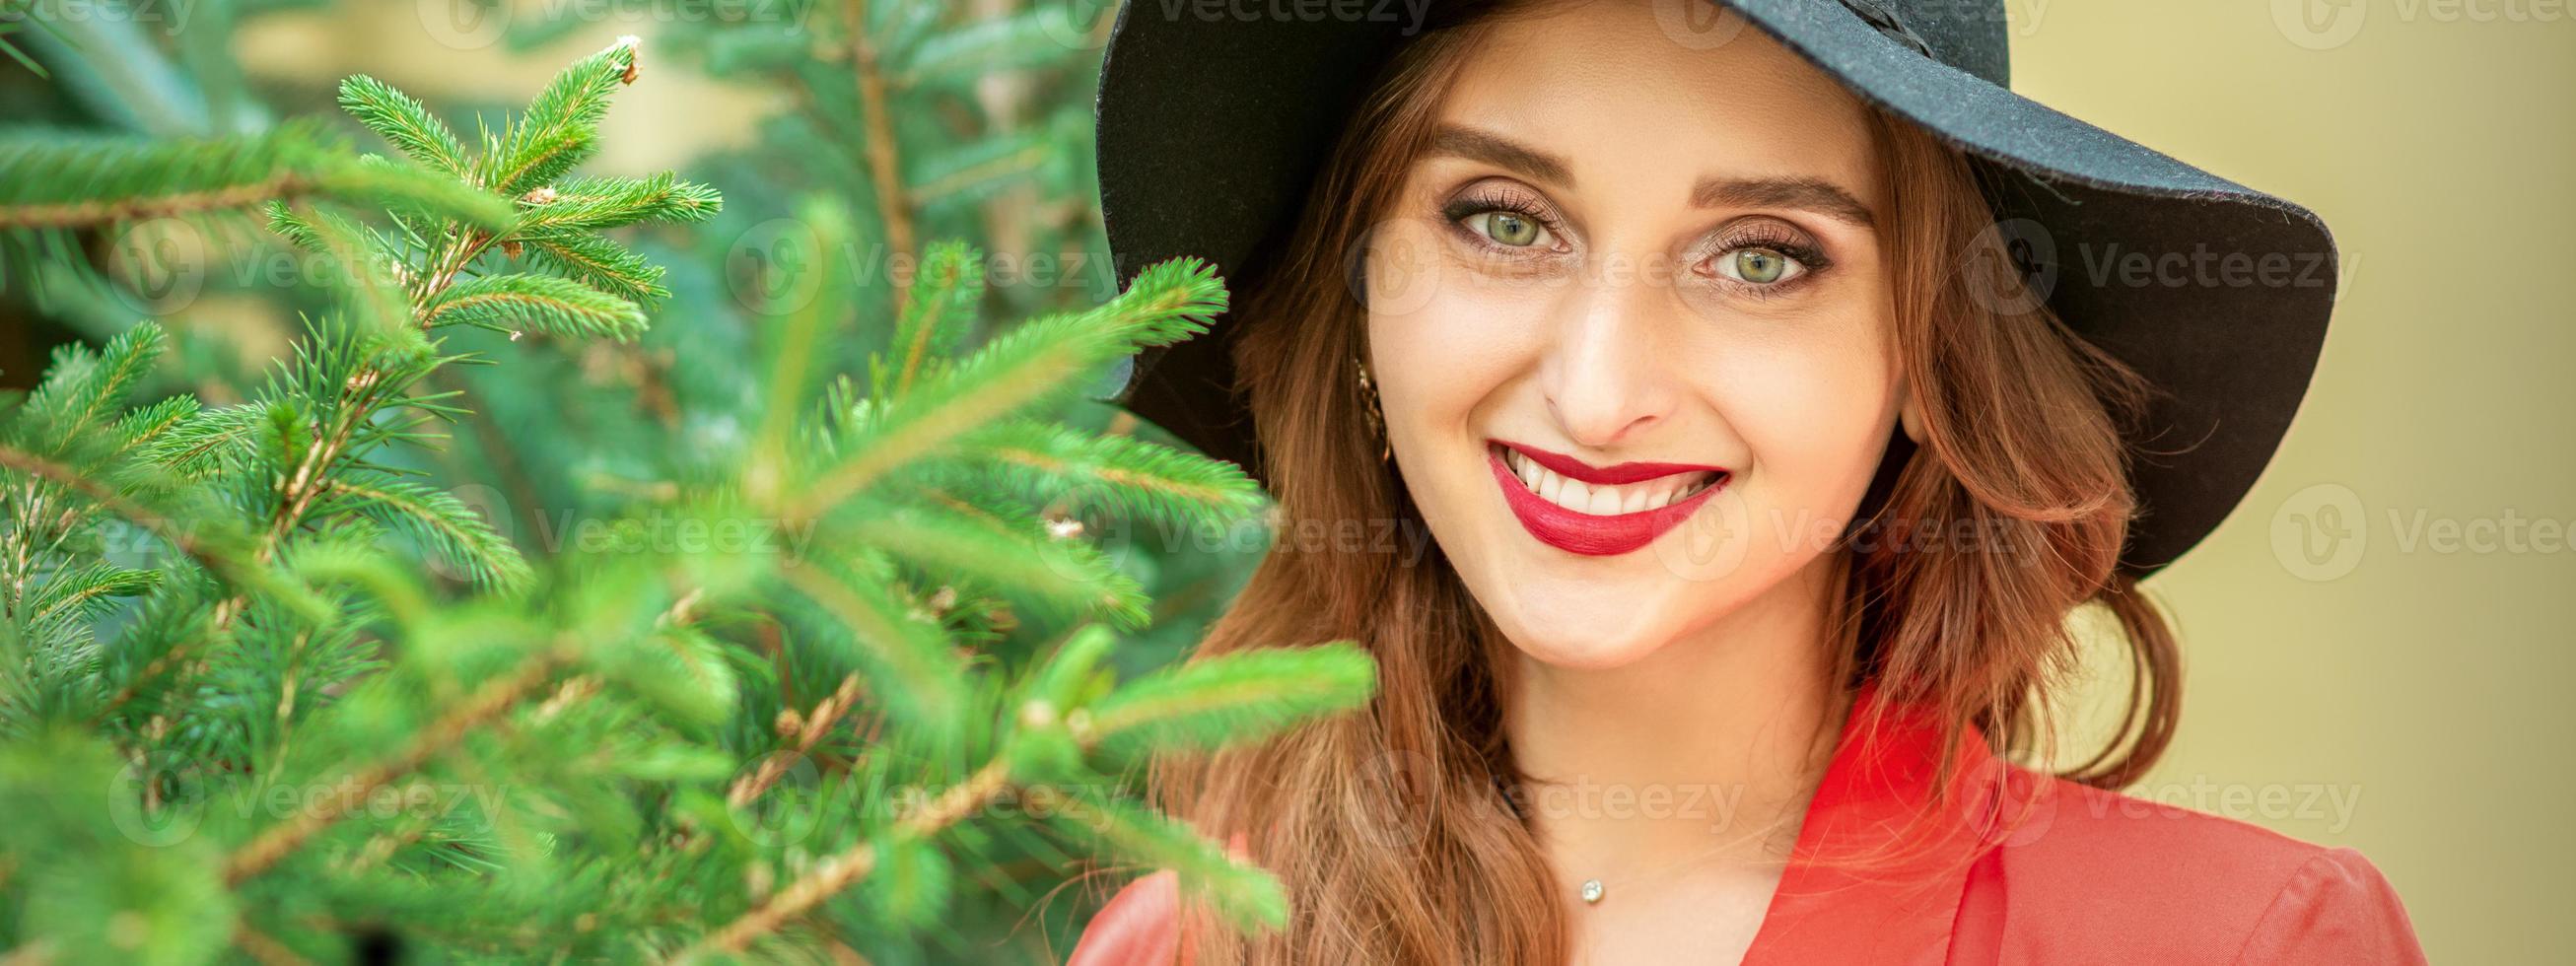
(1701, 755)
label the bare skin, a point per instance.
(1588, 306)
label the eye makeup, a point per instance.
(1765, 233)
(1768, 233)
(1505, 198)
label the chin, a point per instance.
(1582, 628)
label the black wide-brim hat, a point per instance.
(1212, 126)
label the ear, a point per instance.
(1909, 412)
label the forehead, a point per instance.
(1633, 105)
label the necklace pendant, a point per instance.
(1592, 892)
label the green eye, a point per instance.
(1511, 229)
(1759, 266)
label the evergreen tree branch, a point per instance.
(489, 701)
(184, 539)
(405, 122)
(561, 127)
(946, 288)
(55, 180)
(841, 871)
(1033, 363)
(808, 729)
(885, 169)
(539, 303)
(597, 262)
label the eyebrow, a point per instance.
(1502, 152)
(1811, 194)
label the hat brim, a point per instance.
(1210, 132)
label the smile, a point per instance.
(1596, 510)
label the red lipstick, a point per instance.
(1591, 534)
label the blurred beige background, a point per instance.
(2402, 690)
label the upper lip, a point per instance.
(1613, 475)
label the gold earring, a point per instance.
(1370, 409)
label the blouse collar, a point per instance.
(1874, 878)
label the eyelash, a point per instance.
(1764, 236)
(1459, 210)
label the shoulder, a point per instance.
(2165, 883)
(1139, 927)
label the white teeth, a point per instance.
(1604, 499)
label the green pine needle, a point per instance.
(442, 523)
(405, 122)
(598, 203)
(1068, 578)
(1040, 361)
(561, 127)
(1235, 696)
(535, 303)
(1250, 897)
(1120, 475)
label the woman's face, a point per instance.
(1639, 274)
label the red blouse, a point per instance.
(2083, 876)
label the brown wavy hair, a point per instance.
(1386, 824)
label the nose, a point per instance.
(1605, 375)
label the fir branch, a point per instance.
(944, 292)
(489, 701)
(1126, 475)
(807, 729)
(207, 439)
(1232, 696)
(59, 180)
(404, 122)
(215, 556)
(1030, 364)
(82, 388)
(839, 872)
(926, 685)
(885, 169)
(1250, 896)
(1068, 577)
(444, 523)
(598, 203)
(561, 127)
(536, 303)
(597, 262)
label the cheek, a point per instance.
(1442, 343)
(1813, 411)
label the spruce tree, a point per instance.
(268, 693)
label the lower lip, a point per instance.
(1589, 534)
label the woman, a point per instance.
(1743, 368)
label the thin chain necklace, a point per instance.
(1593, 890)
